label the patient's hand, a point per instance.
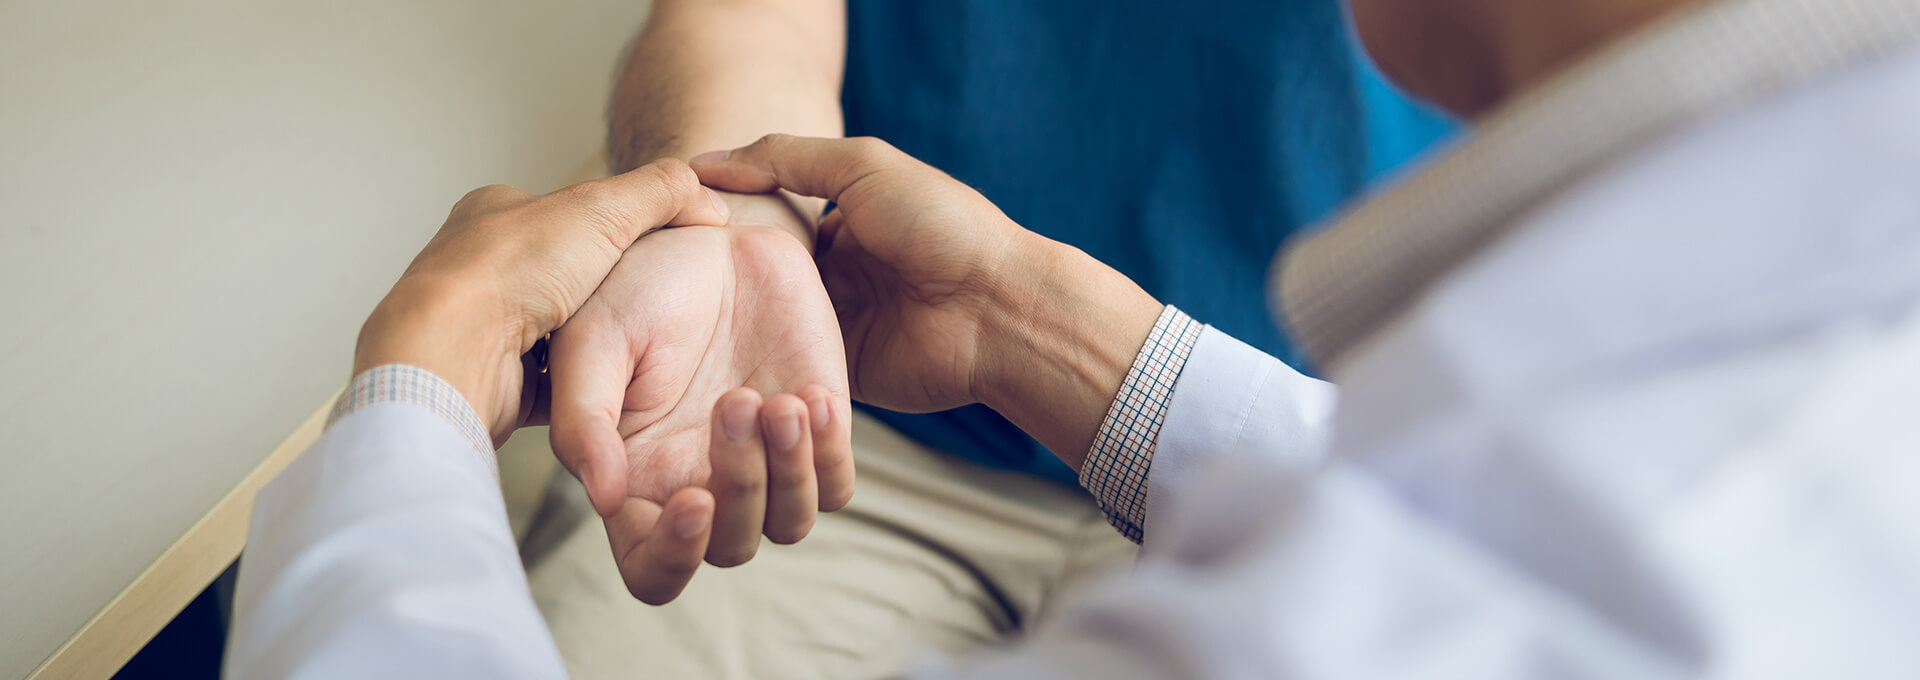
(687, 315)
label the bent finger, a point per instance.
(792, 497)
(810, 166)
(739, 479)
(830, 419)
(664, 193)
(670, 543)
(590, 375)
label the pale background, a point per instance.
(199, 201)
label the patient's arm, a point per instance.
(690, 313)
(717, 74)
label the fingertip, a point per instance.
(723, 211)
(836, 502)
(792, 486)
(794, 534)
(738, 414)
(832, 446)
(605, 496)
(605, 473)
(785, 420)
(691, 512)
(819, 410)
(834, 496)
(586, 452)
(709, 158)
(739, 479)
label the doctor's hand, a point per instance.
(687, 316)
(508, 267)
(945, 301)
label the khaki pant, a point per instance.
(934, 556)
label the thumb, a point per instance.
(810, 166)
(589, 388)
(664, 193)
(606, 216)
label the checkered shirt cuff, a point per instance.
(1116, 468)
(404, 384)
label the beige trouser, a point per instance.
(934, 555)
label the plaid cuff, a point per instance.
(1116, 469)
(401, 383)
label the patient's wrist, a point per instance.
(792, 214)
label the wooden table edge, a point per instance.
(115, 633)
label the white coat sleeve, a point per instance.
(384, 552)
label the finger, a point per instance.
(739, 480)
(792, 498)
(590, 371)
(809, 166)
(659, 549)
(663, 193)
(830, 417)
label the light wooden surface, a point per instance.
(199, 201)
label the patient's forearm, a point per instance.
(717, 74)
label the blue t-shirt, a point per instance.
(1178, 144)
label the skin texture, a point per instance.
(1469, 55)
(638, 369)
(943, 300)
(509, 267)
(632, 427)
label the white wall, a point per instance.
(199, 201)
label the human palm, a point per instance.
(686, 316)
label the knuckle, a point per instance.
(590, 194)
(871, 150)
(791, 473)
(772, 139)
(489, 191)
(674, 174)
(738, 485)
(600, 206)
(479, 199)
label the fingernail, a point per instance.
(719, 204)
(709, 158)
(691, 522)
(818, 409)
(738, 419)
(784, 431)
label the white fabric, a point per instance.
(1664, 430)
(1234, 401)
(384, 552)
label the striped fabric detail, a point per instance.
(1116, 468)
(404, 384)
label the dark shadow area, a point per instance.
(190, 646)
